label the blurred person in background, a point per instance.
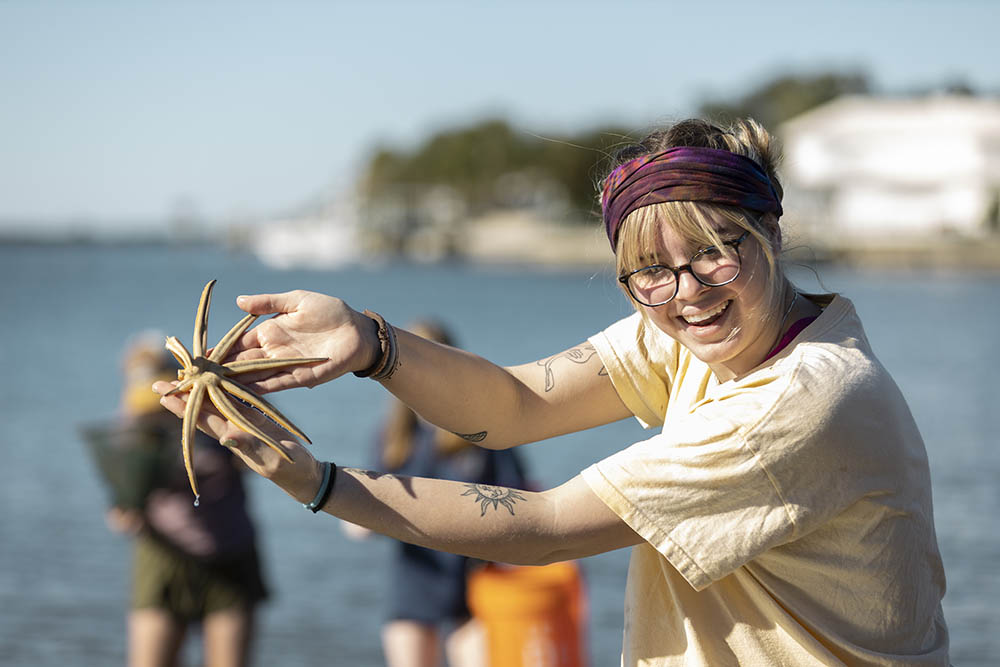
(191, 565)
(482, 614)
(783, 514)
(427, 588)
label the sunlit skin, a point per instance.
(740, 339)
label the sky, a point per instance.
(125, 114)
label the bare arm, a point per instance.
(488, 522)
(499, 407)
(458, 391)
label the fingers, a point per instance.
(251, 344)
(266, 304)
(208, 420)
(291, 466)
(284, 380)
(211, 421)
(262, 304)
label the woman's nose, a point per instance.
(688, 286)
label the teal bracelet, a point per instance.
(325, 487)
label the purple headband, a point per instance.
(686, 173)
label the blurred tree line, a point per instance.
(462, 172)
(492, 165)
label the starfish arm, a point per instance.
(238, 390)
(201, 320)
(191, 411)
(230, 412)
(181, 388)
(223, 346)
(248, 365)
(180, 352)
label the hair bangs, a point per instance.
(695, 222)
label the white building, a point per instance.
(326, 238)
(883, 167)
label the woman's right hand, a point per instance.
(306, 324)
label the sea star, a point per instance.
(200, 375)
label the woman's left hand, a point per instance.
(299, 478)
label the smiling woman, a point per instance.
(770, 518)
(752, 471)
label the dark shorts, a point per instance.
(427, 586)
(188, 588)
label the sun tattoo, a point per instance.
(495, 495)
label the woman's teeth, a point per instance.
(701, 319)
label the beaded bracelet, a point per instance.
(325, 488)
(388, 360)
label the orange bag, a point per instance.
(532, 616)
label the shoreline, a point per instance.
(512, 240)
(941, 253)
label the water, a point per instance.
(68, 310)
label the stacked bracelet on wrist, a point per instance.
(325, 488)
(388, 360)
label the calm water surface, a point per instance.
(66, 312)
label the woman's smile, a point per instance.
(705, 318)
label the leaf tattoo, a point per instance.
(580, 354)
(473, 437)
(493, 495)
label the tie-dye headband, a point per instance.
(686, 173)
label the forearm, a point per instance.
(499, 407)
(492, 406)
(486, 522)
(461, 392)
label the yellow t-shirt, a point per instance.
(787, 513)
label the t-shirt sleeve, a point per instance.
(640, 363)
(698, 493)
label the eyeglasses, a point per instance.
(713, 266)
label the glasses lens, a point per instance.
(714, 266)
(653, 285)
